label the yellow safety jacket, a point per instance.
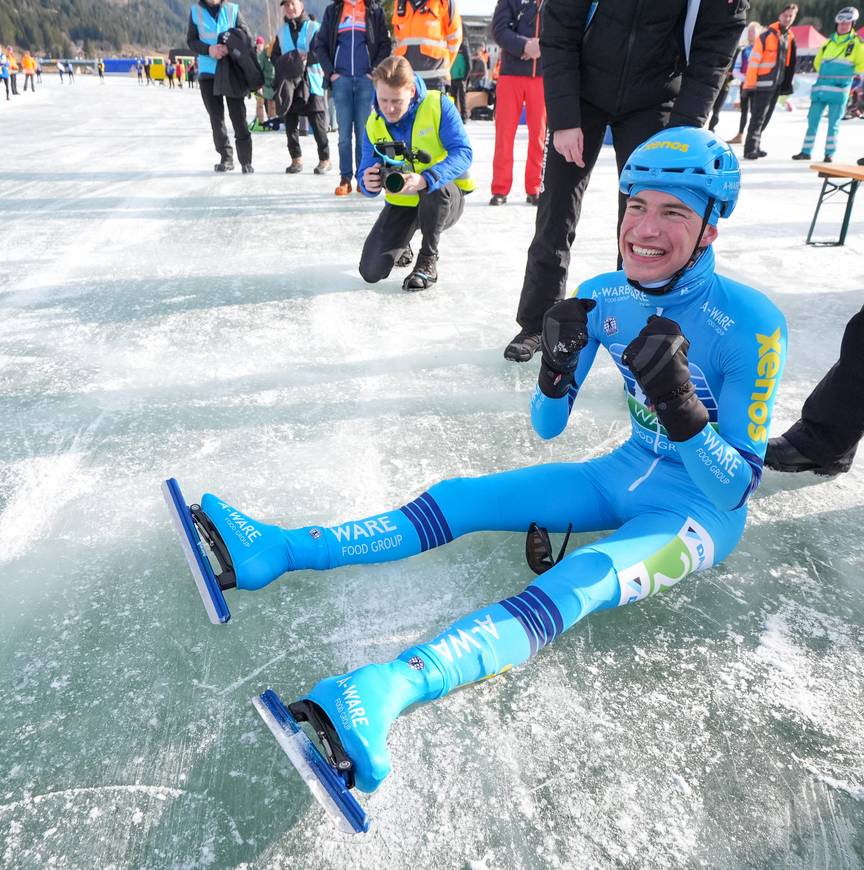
(424, 137)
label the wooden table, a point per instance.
(841, 179)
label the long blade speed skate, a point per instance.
(329, 786)
(191, 524)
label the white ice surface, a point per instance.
(157, 319)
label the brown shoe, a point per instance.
(344, 187)
(735, 140)
(295, 167)
(322, 168)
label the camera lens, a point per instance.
(394, 181)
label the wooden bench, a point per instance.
(833, 173)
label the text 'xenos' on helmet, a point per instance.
(687, 160)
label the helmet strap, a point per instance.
(697, 252)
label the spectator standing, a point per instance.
(38, 71)
(139, 70)
(28, 65)
(826, 437)
(100, 69)
(13, 69)
(297, 35)
(264, 108)
(427, 33)
(192, 73)
(179, 72)
(170, 70)
(61, 69)
(516, 27)
(837, 61)
(207, 22)
(769, 75)
(4, 72)
(147, 66)
(433, 196)
(70, 72)
(458, 76)
(754, 28)
(634, 66)
(352, 41)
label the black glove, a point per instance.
(658, 359)
(565, 333)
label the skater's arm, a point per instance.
(562, 28)
(725, 461)
(716, 33)
(459, 151)
(568, 351)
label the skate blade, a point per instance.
(326, 785)
(196, 558)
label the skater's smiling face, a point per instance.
(658, 235)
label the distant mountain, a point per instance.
(60, 28)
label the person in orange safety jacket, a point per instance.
(769, 75)
(428, 33)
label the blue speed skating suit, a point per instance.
(676, 508)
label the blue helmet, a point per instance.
(690, 163)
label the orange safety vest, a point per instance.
(764, 70)
(428, 37)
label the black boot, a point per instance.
(523, 346)
(781, 455)
(801, 155)
(498, 199)
(424, 275)
(246, 168)
(226, 165)
(406, 258)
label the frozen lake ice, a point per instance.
(159, 320)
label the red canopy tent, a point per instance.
(808, 39)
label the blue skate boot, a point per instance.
(352, 713)
(249, 554)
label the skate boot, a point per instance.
(248, 553)
(225, 165)
(354, 713)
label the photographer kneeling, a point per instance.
(417, 138)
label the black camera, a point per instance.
(398, 159)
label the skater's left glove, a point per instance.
(658, 359)
(565, 333)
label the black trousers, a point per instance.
(6, 82)
(392, 232)
(832, 419)
(28, 78)
(745, 107)
(761, 109)
(562, 190)
(318, 122)
(718, 104)
(237, 111)
(457, 91)
(14, 77)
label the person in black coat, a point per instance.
(214, 20)
(826, 437)
(634, 66)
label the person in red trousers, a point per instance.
(516, 28)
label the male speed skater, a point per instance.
(700, 355)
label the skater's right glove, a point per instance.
(565, 333)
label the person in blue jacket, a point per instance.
(428, 190)
(700, 356)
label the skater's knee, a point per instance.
(375, 268)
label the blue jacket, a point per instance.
(513, 24)
(335, 53)
(453, 138)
